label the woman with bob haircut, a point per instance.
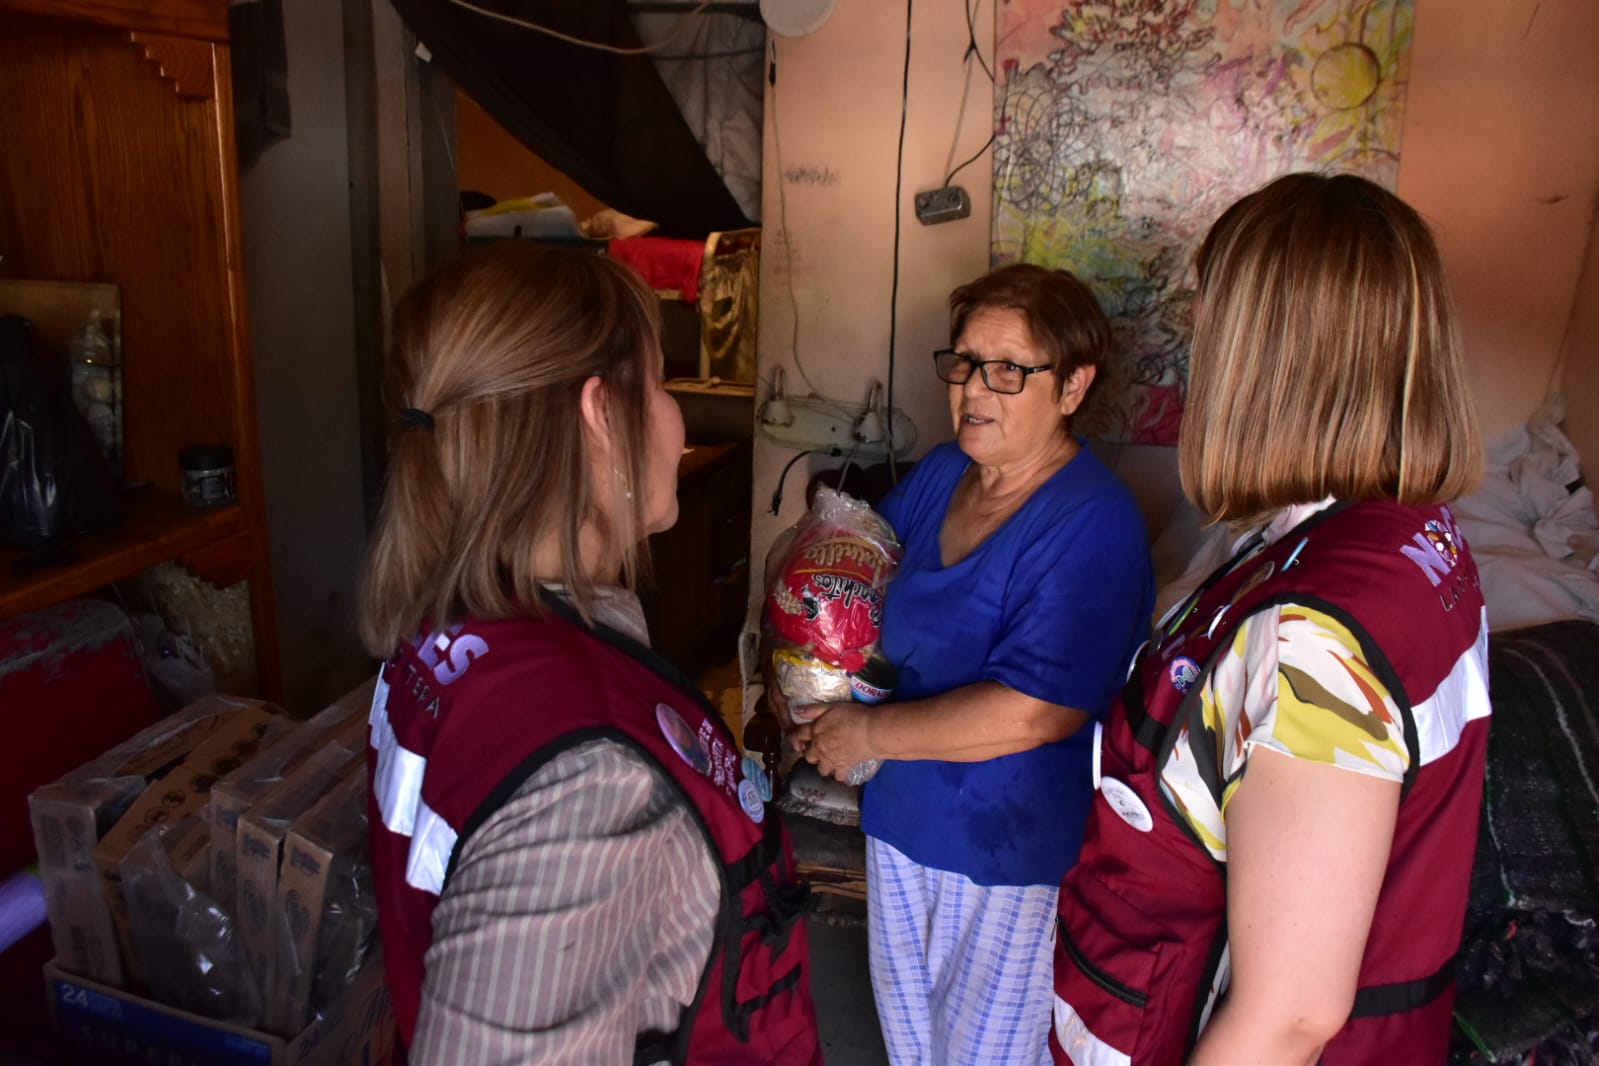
(570, 862)
(1025, 588)
(1276, 866)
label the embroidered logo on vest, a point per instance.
(1434, 550)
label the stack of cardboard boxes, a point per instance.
(209, 895)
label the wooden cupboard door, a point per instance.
(113, 168)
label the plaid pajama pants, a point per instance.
(963, 973)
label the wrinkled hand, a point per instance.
(835, 738)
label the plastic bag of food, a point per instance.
(824, 607)
(188, 945)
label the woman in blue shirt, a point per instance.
(1024, 592)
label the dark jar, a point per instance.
(207, 475)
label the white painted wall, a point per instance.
(295, 211)
(1501, 155)
(1580, 365)
(828, 202)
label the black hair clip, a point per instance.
(415, 418)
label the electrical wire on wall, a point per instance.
(893, 295)
(972, 52)
(598, 46)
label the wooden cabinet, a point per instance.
(117, 165)
(701, 564)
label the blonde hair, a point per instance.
(1326, 357)
(495, 348)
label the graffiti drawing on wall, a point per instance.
(1124, 127)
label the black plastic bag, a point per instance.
(53, 480)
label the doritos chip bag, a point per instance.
(826, 598)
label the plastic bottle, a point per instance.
(763, 740)
(871, 684)
(95, 386)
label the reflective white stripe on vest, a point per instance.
(397, 786)
(1459, 699)
(1082, 1046)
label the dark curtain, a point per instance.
(604, 120)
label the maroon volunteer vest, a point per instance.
(473, 711)
(1141, 927)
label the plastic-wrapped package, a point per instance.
(349, 928)
(824, 607)
(53, 479)
(72, 814)
(325, 914)
(343, 723)
(188, 948)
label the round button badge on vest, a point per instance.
(1125, 802)
(749, 797)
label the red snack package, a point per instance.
(826, 598)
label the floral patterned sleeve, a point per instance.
(1294, 680)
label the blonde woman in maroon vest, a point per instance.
(1276, 867)
(570, 863)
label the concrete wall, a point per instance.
(1501, 153)
(491, 161)
(1580, 365)
(295, 209)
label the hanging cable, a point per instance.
(598, 46)
(899, 184)
(777, 494)
(950, 170)
(971, 38)
(695, 56)
(974, 158)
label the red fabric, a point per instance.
(665, 263)
(485, 703)
(1141, 914)
(71, 686)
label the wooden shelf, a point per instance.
(118, 169)
(157, 526)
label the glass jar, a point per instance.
(207, 475)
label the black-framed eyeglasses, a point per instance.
(1000, 375)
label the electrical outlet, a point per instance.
(942, 205)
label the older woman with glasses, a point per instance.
(1025, 589)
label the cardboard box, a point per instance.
(259, 847)
(71, 814)
(322, 849)
(96, 1023)
(344, 722)
(179, 792)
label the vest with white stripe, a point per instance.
(1140, 956)
(462, 718)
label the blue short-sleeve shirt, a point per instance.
(1053, 604)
